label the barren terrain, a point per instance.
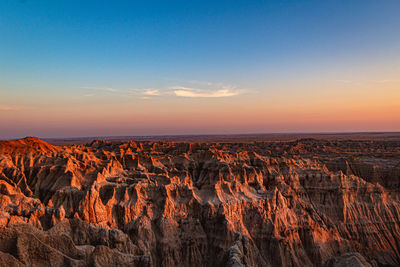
(293, 202)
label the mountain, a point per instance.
(295, 203)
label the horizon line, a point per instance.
(209, 135)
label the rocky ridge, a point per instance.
(302, 203)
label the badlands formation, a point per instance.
(295, 203)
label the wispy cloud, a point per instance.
(212, 90)
(179, 87)
(207, 90)
(107, 89)
(152, 92)
(206, 94)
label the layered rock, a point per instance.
(302, 203)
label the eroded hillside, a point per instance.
(302, 203)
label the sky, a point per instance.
(118, 68)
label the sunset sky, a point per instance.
(101, 68)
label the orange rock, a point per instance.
(301, 203)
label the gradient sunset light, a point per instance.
(98, 68)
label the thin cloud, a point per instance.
(209, 90)
(178, 87)
(206, 94)
(152, 92)
(107, 89)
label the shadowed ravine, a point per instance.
(302, 203)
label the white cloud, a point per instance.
(152, 92)
(178, 87)
(209, 90)
(108, 89)
(206, 94)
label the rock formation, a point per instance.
(302, 203)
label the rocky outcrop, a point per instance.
(69, 243)
(349, 259)
(301, 203)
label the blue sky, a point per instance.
(220, 49)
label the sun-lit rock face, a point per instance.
(303, 203)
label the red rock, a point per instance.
(303, 203)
